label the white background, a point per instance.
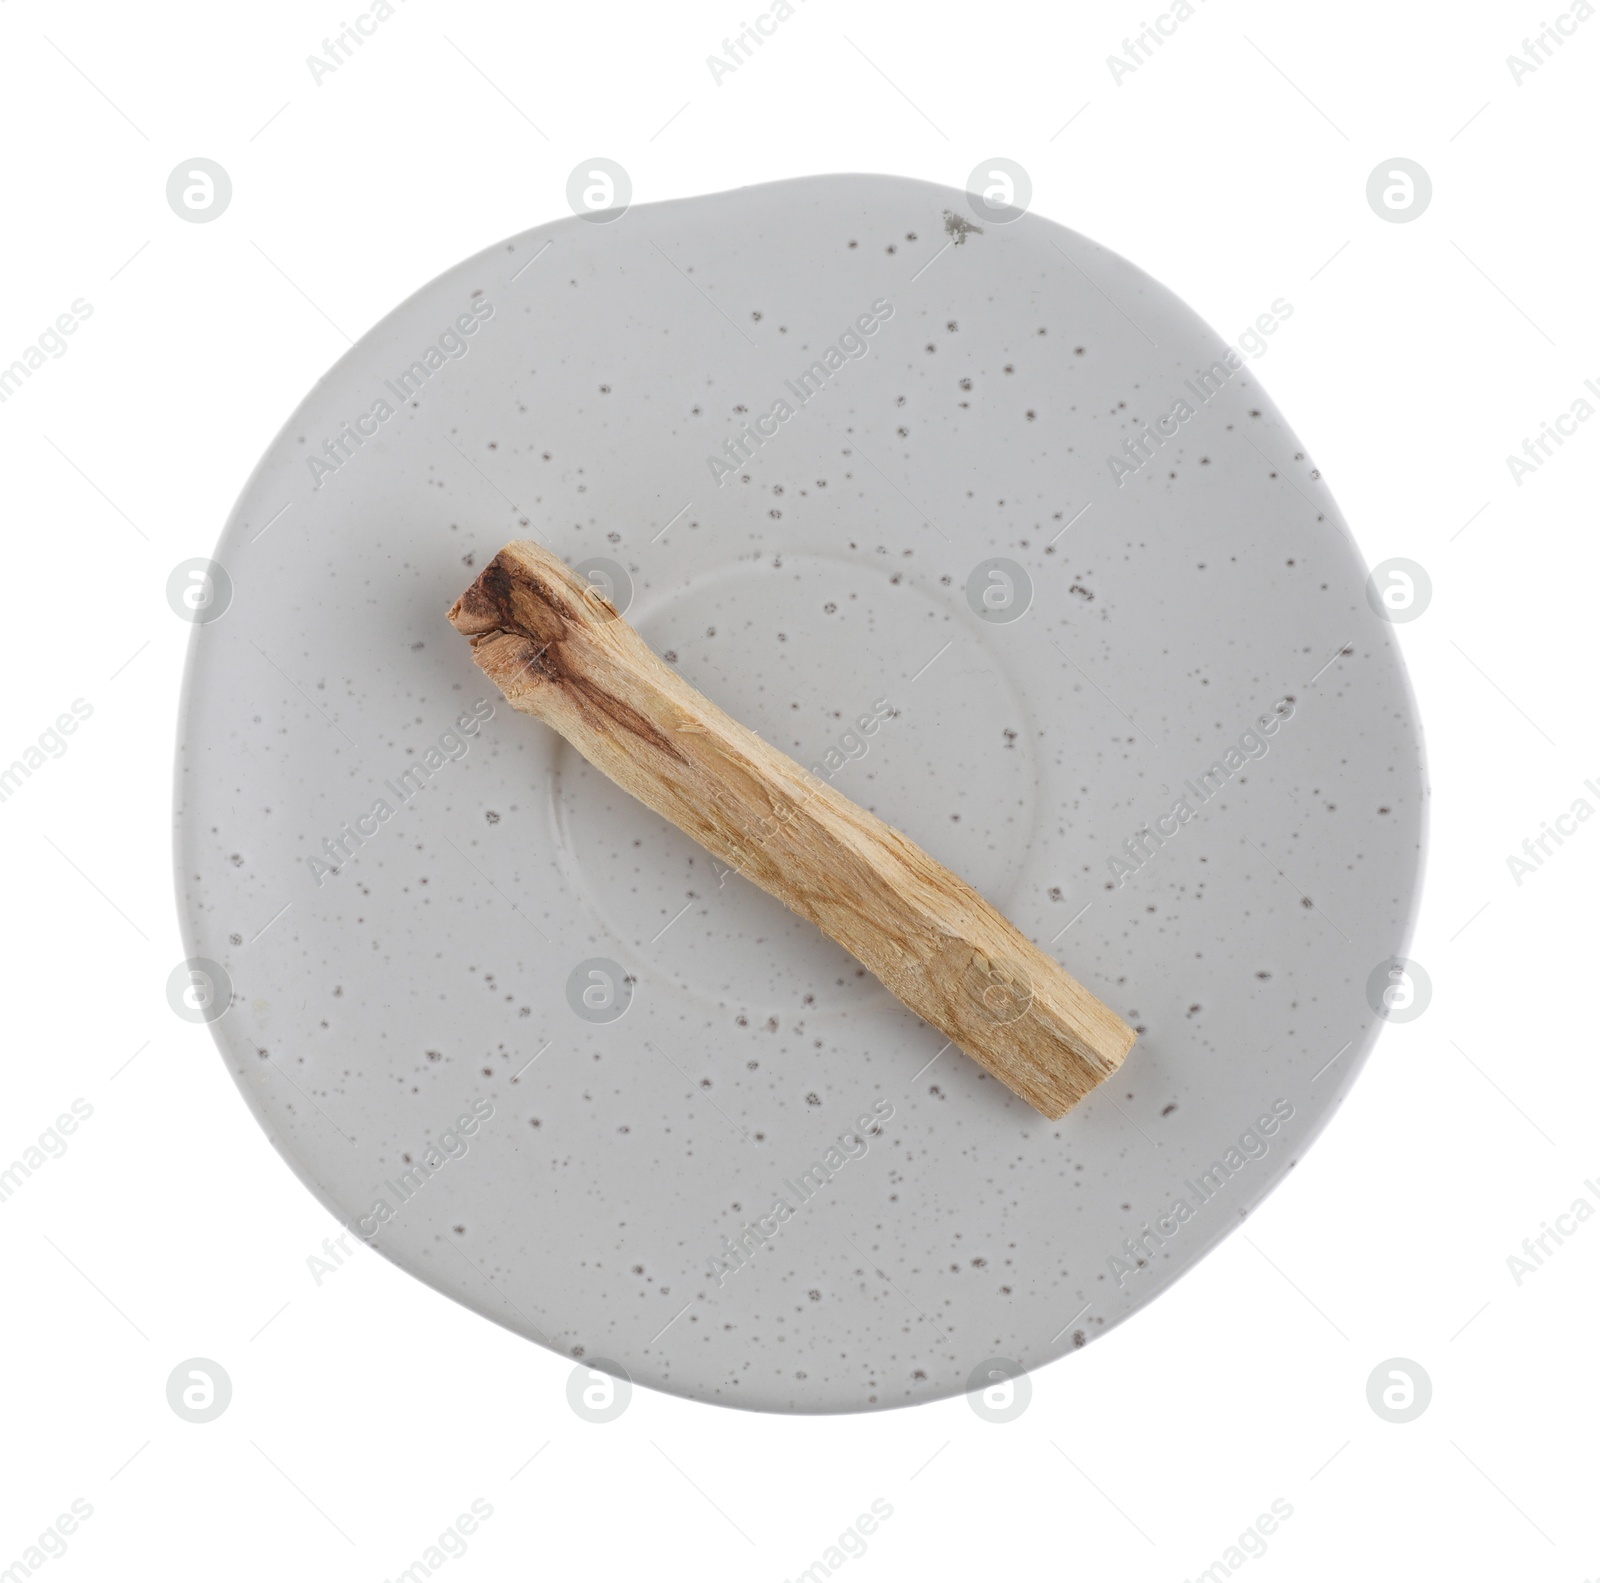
(368, 1411)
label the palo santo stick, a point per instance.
(559, 651)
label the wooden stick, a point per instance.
(559, 651)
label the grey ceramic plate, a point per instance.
(531, 1043)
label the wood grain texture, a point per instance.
(560, 652)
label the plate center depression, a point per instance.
(887, 692)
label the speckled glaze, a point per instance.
(589, 1176)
